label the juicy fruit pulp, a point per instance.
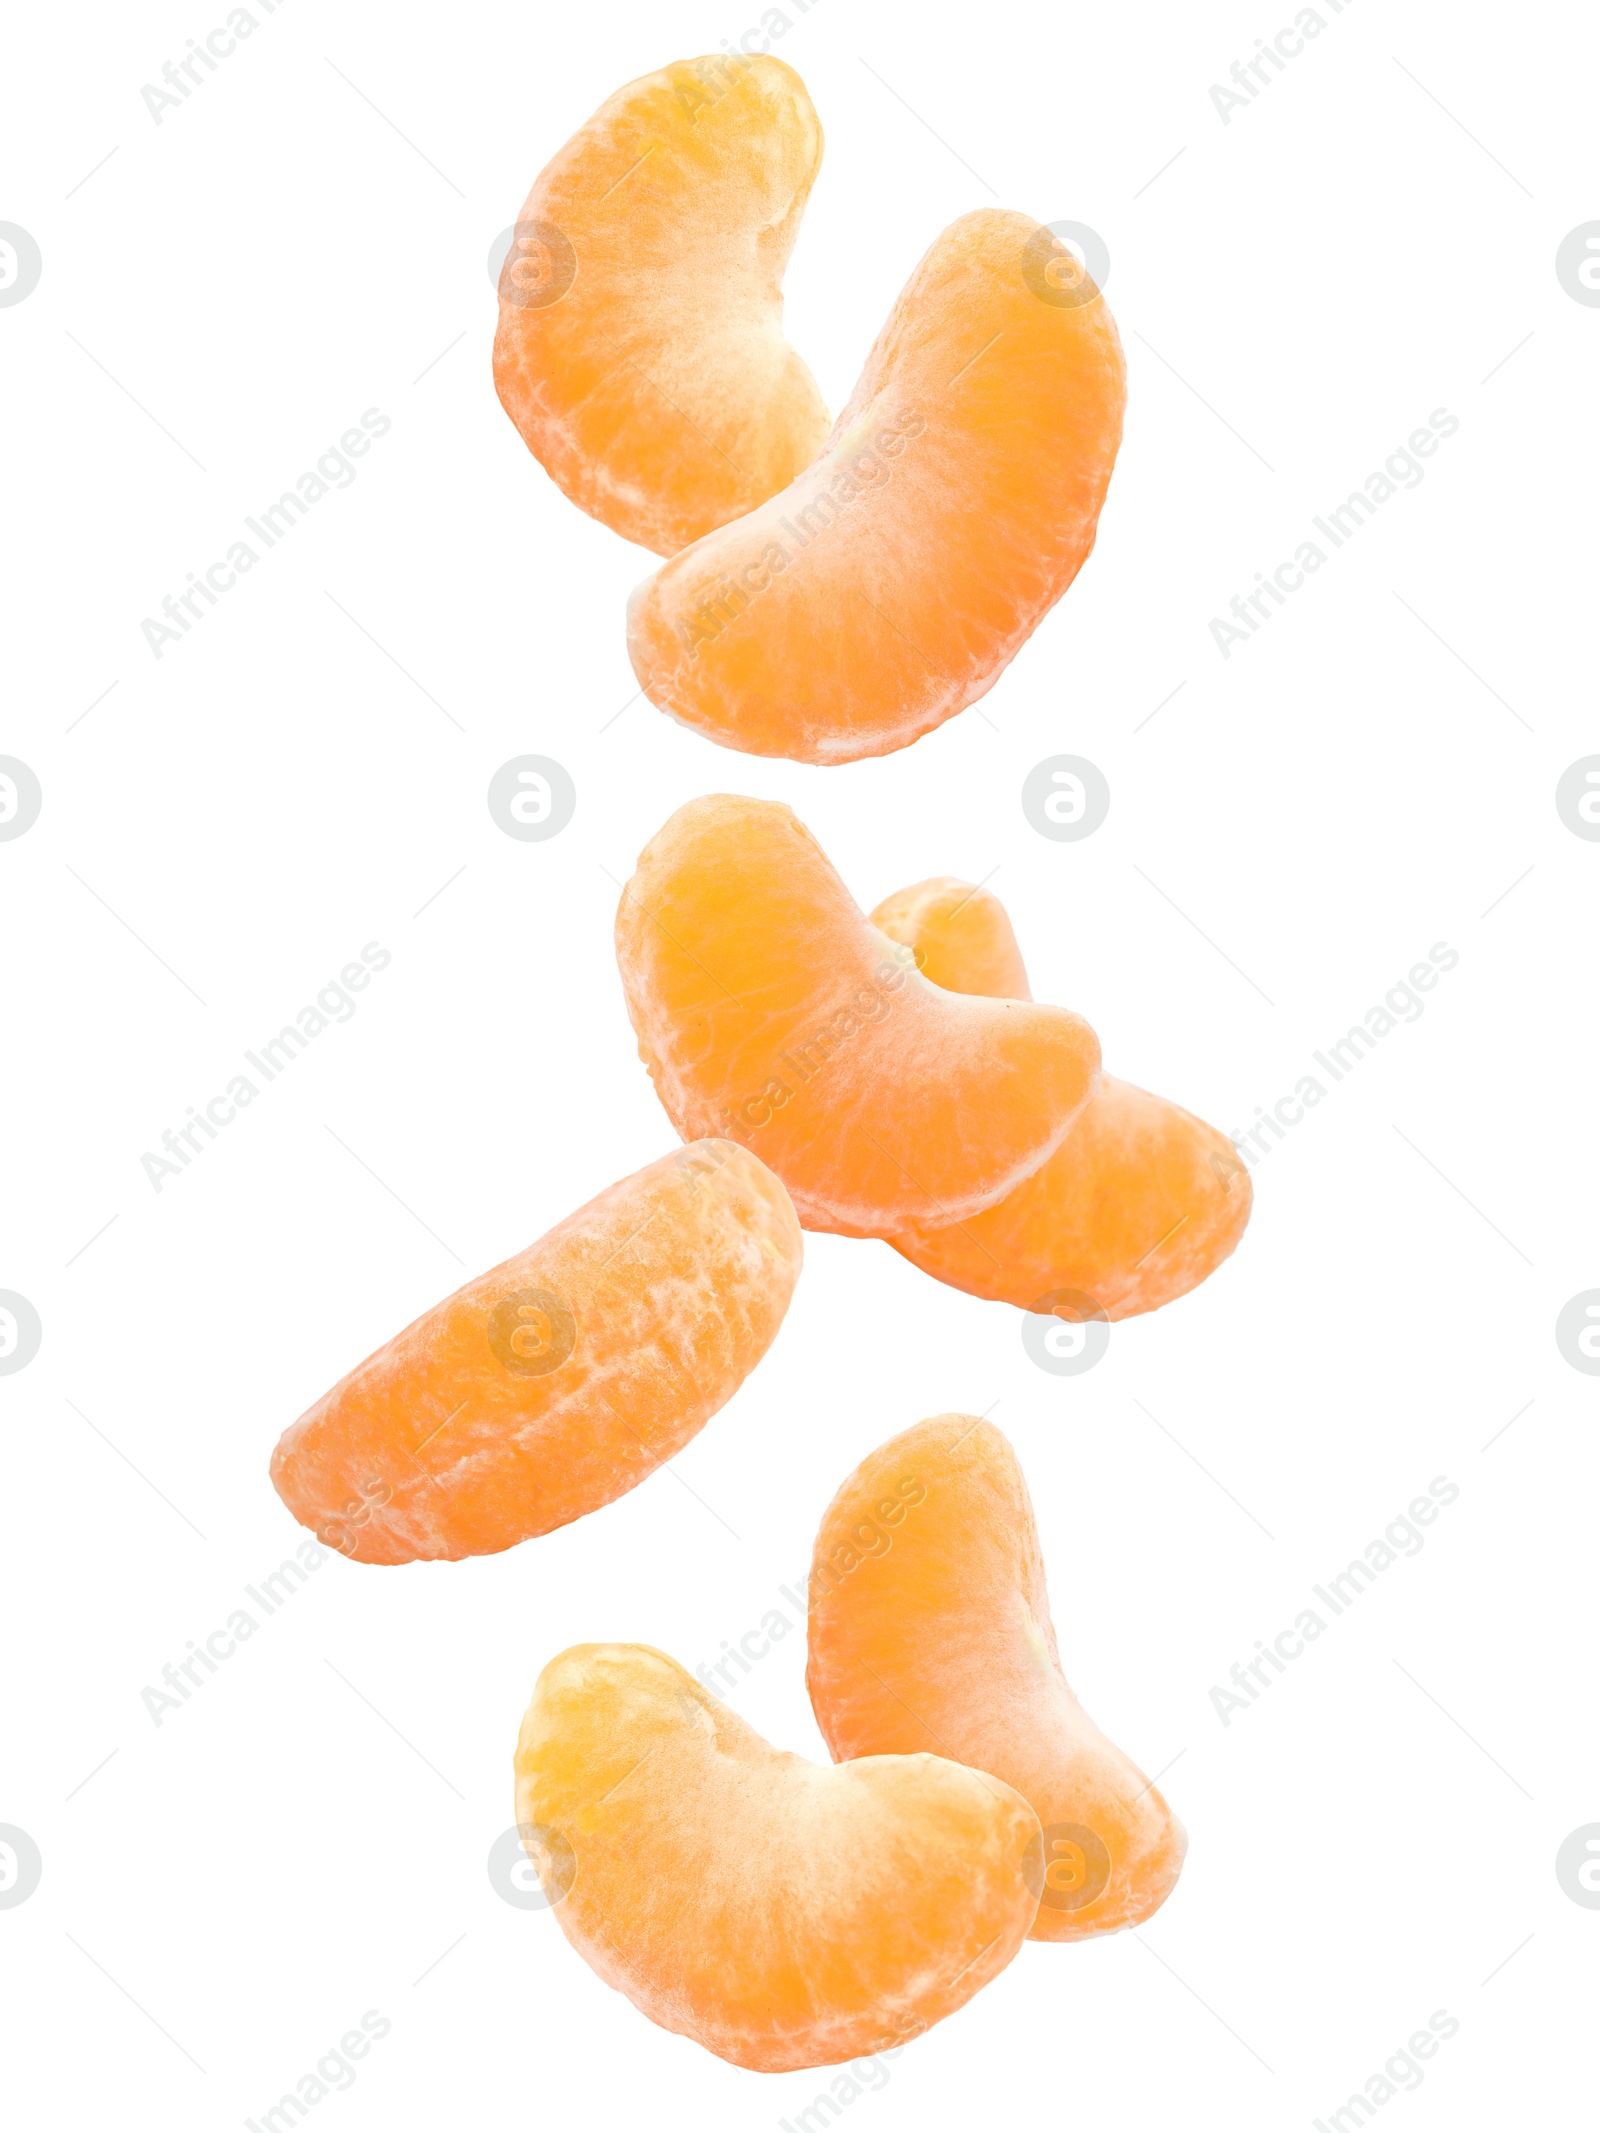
(960, 936)
(888, 586)
(930, 1628)
(559, 1380)
(768, 1009)
(640, 349)
(1138, 1203)
(780, 1913)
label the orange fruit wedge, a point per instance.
(640, 349)
(1139, 1202)
(560, 1379)
(960, 936)
(888, 585)
(781, 1914)
(930, 1629)
(769, 1010)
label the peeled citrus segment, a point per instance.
(888, 586)
(930, 1629)
(559, 1380)
(640, 349)
(780, 1913)
(960, 936)
(1139, 1202)
(1135, 1208)
(768, 1009)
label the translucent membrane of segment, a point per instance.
(780, 1913)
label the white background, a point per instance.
(305, 772)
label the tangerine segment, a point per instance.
(640, 349)
(888, 586)
(930, 1629)
(960, 935)
(768, 1009)
(780, 1913)
(1139, 1202)
(560, 1379)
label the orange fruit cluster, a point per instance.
(830, 595)
(889, 585)
(921, 1098)
(785, 1916)
(826, 596)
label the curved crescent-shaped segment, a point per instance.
(960, 935)
(930, 1621)
(890, 584)
(640, 349)
(781, 1914)
(1139, 1202)
(559, 1380)
(768, 1009)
